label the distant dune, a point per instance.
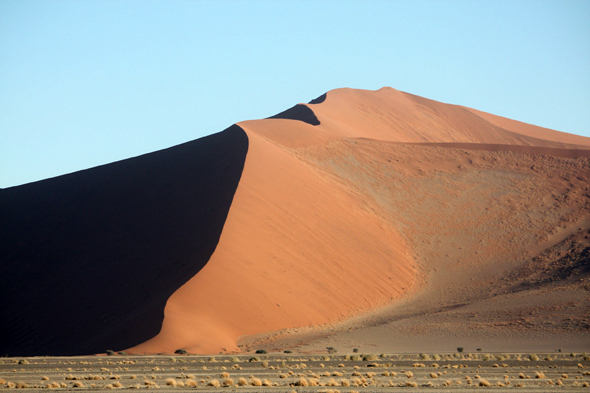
(364, 218)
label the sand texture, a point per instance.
(371, 219)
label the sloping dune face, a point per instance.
(361, 197)
(89, 259)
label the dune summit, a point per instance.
(363, 217)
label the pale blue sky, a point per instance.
(85, 83)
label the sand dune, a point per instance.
(89, 259)
(307, 242)
(359, 201)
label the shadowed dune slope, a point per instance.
(89, 259)
(318, 228)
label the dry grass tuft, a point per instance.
(242, 381)
(228, 382)
(484, 382)
(255, 381)
(215, 383)
(170, 382)
(301, 382)
(191, 383)
(332, 382)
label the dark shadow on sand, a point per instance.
(319, 100)
(89, 259)
(298, 112)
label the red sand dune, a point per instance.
(358, 201)
(301, 246)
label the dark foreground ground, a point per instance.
(302, 373)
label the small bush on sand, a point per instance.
(261, 351)
(242, 381)
(191, 383)
(181, 352)
(483, 382)
(255, 381)
(215, 383)
(228, 382)
(170, 382)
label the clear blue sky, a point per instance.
(85, 83)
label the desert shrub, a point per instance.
(228, 382)
(261, 351)
(539, 375)
(110, 352)
(301, 382)
(331, 349)
(181, 352)
(215, 383)
(254, 359)
(287, 351)
(242, 381)
(265, 363)
(460, 349)
(255, 381)
(483, 382)
(170, 382)
(191, 383)
(369, 357)
(411, 384)
(534, 357)
(423, 356)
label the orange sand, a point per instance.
(303, 243)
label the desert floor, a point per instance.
(302, 373)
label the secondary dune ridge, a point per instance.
(357, 218)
